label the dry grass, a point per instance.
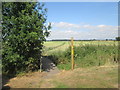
(30, 80)
(94, 77)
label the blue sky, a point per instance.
(97, 20)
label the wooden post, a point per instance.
(72, 54)
(41, 64)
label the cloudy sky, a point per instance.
(83, 20)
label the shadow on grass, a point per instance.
(48, 63)
(54, 59)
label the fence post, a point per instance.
(72, 54)
(40, 63)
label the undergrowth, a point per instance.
(86, 56)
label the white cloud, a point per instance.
(101, 26)
(65, 25)
(64, 30)
(87, 26)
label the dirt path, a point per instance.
(35, 79)
(51, 71)
(49, 67)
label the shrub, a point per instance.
(85, 56)
(24, 32)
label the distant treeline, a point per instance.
(81, 40)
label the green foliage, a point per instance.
(118, 38)
(86, 56)
(24, 31)
(66, 66)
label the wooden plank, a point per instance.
(72, 54)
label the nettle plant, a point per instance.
(24, 29)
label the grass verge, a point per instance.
(86, 56)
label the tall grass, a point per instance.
(86, 56)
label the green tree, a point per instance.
(24, 31)
(118, 38)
